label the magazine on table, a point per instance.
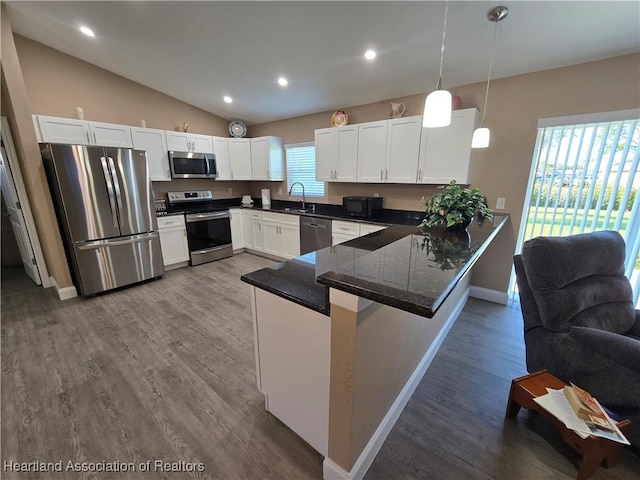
(557, 404)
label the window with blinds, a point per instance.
(301, 167)
(585, 178)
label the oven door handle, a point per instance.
(199, 217)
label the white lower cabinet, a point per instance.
(281, 234)
(258, 231)
(247, 227)
(237, 235)
(173, 240)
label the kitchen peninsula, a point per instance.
(343, 335)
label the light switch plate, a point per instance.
(500, 203)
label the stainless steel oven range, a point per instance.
(208, 226)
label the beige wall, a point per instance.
(58, 83)
(15, 107)
(502, 170)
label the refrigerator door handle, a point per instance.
(116, 186)
(109, 243)
(112, 200)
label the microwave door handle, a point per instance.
(116, 186)
(110, 193)
(206, 162)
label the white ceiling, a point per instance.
(200, 51)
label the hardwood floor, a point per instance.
(165, 371)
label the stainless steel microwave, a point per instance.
(193, 165)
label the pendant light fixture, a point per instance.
(482, 135)
(437, 106)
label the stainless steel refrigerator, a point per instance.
(105, 209)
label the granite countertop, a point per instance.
(402, 266)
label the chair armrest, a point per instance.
(619, 348)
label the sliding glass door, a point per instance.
(584, 178)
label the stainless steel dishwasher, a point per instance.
(315, 233)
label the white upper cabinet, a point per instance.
(267, 158)
(240, 158)
(337, 154)
(110, 135)
(372, 151)
(221, 150)
(81, 132)
(63, 130)
(403, 149)
(189, 142)
(445, 152)
(201, 143)
(346, 154)
(325, 141)
(153, 141)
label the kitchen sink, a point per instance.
(296, 210)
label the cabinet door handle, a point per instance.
(88, 138)
(386, 174)
(95, 140)
(381, 173)
(420, 174)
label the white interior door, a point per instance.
(17, 219)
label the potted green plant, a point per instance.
(455, 207)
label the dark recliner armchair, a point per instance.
(579, 318)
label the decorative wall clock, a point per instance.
(237, 129)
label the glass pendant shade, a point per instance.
(481, 137)
(437, 109)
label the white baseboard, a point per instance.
(332, 471)
(64, 293)
(489, 295)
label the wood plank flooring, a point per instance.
(165, 371)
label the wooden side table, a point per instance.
(595, 451)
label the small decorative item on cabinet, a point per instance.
(237, 129)
(456, 102)
(185, 127)
(339, 118)
(456, 207)
(397, 109)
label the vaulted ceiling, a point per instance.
(199, 52)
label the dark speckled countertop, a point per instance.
(402, 266)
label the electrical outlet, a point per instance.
(280, 191)
(500, 202)
(230, 191)
(376, 194)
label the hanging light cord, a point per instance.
(486, 95)
(444, 31)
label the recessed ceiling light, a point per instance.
(87, 31)
(370, 54)
(283, 82)
(228, 99)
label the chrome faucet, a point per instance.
(291, 189)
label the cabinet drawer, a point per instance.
(367, 228)
(349, 228)
(282, 218)
(171, 221)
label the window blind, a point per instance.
(585, 178)
(301, 167)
